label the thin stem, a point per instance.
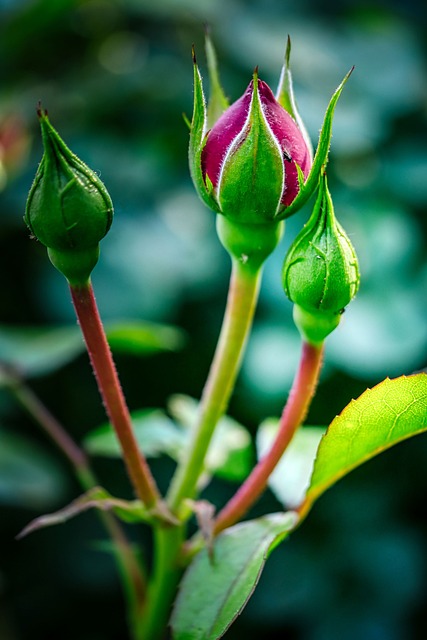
(112, 394)
(241, 303)
(293, 415)
(50, 424)
(133, 579)
(131, 574)
(162, 588)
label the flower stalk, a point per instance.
(110, 389)
(293, 415)
(241, 303)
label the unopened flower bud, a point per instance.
(320, 272)
(254, 164)
(68, 209)
(251, 156)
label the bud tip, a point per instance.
(288, 51)
(346, 77)
(41, 113)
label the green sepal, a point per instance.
(301, 177)
(198, 140)
(250, 244)
(253, 161)
(286, 98)
(186, 121)
(320, 158)
(218, 101)
(209, 186)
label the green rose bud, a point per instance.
(320, 272)
(68, 208)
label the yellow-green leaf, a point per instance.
(381, 417)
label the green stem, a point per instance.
(248, 246)
(131, 574)
(112, 394)
(241, 303)
(165, 577)
(293, 415)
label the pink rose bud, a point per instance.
(257, 127)
(252, 161)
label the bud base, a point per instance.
(76, 266)
(315, 326)
(251, 244)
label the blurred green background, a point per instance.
(116, 78)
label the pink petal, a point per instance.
(225, 130)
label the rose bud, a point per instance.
(254, 163)
(320, 272)
(68, 209)
(251, 156)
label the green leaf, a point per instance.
(215, 589)
(320, 158)
(34, 351)
(291, 477)
(229, 456)
(381, 417)
(96, 498)
(142, 338)
(154, 431)
(29, 476)
(230, 452)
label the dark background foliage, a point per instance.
(116, 78)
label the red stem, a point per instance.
(111, 392)
(293, 415)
